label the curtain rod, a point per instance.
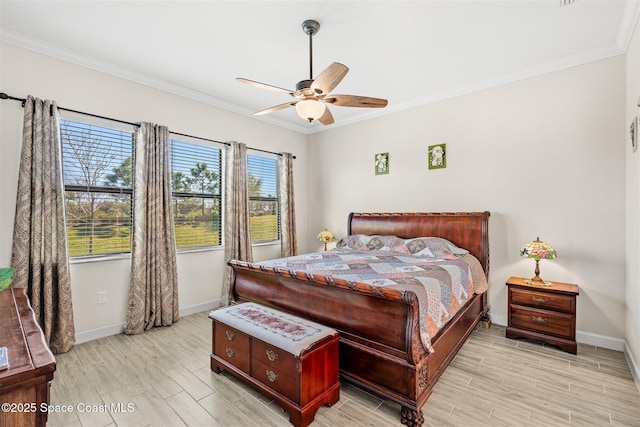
(23, 101)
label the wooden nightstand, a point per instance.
(543, 313)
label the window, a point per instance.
(97, 160)
(263, 199)
(96, 165)
(195, 183)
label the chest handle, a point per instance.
(272, 355)
(539, 300)
(230, 335)
(272, 376)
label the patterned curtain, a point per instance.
(39, 255)
(153, 285)
(237, 236)
(288, 238)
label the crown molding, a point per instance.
(628, 24)
(87, 61)
(631, 14)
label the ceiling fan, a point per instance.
(312, 95)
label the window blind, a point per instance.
(263, 198)
(196, 186)
(96, 164)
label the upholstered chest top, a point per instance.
(285, 331)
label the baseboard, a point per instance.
(498, 320)
(633, 365)
(106, 331)
(209, 305)
(616, 344)
(94, 334)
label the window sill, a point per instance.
(127, 256)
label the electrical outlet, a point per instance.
(102, 297)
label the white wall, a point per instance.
(546, 156)
(24, 72)
(632, 295)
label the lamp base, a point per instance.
(537, 281)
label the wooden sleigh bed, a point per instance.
(380, 346)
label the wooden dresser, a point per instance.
(300, 379)
(24, 387)
(543, 313)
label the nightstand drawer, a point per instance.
(544, 300)
(544, 321)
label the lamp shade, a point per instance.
(326, 236)
(310, 109)
(538, 249)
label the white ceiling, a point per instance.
(409, 52)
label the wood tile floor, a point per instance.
(162, 378)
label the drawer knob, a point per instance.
(230, 352)
(539, 300)
(539, 320)
(272, 355)
(272, 376)
(230, 335)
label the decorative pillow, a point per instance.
(418, 247)
(352, 242)
(363, 242)
(423, 246)
(375, 243)
(433, 246)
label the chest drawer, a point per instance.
(276, 379)
(274, 357)
(232, 346)
(544, 321)
(544, 300)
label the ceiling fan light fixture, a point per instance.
(310, 92)
(310, 109)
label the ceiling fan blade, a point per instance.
(276, 108)
(264, 86)
(327, 117)
(329, 78)
(356, 101)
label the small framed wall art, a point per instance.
(437, 156)
(381, 163)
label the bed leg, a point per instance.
(411, 417)
(485, 321)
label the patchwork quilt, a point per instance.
(443, 282)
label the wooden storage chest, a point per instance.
(290, 359)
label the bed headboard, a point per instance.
(468, 230)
